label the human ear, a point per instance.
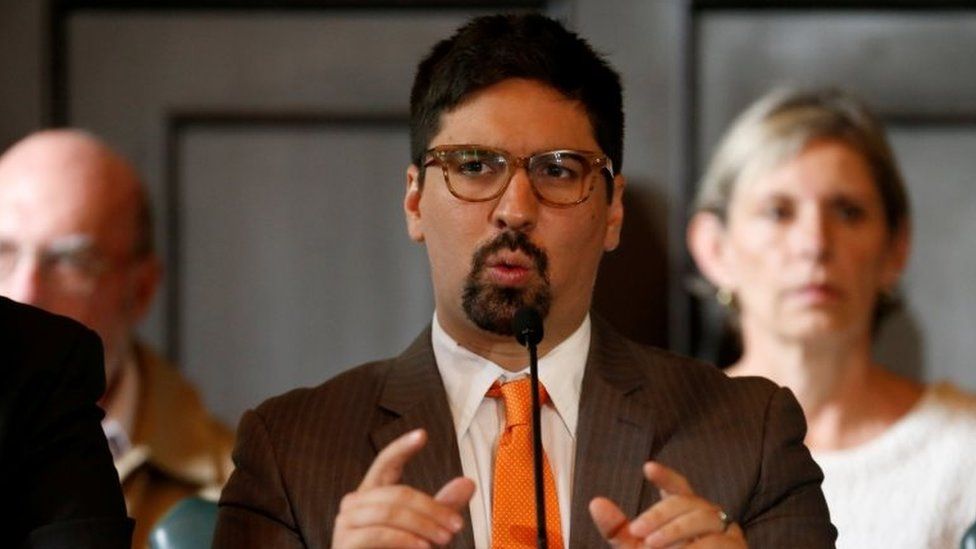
(896, 259)
(146, 275)
(411, 204)
(615, 215)
(707, 241)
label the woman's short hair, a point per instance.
(780, 125)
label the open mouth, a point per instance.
(509, 268)
(510, 261)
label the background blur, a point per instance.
(273, 138)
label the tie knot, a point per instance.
(517, 396)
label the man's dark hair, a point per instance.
(490, 49)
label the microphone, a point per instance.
(527, 325)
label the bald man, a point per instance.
(76, 239)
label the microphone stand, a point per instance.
(540, 494)
(528, 332)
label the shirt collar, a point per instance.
(120, 411)
(467, 376)
(124, 401)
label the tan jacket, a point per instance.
(178, 449)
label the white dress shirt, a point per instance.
(479, 420)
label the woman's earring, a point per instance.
(724, 297)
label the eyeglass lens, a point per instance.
(475, 174)
(70, 264)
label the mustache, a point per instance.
(512, 241)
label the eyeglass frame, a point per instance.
(595, 161)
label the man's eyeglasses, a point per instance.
(70, 264)
(560, 178)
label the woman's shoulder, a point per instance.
(945, 415)
(952, 406)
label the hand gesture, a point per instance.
(680, 519)
(383, 513)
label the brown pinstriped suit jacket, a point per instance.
(738, 441)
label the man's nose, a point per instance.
(518, 207)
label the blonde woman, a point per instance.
(802, 224)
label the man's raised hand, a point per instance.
(680, 519)
(383, 513)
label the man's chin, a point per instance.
(493, 316)
(492, 307)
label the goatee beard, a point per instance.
(492, 307)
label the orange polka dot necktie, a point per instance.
(513, 522)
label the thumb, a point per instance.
(456, 493)
(610, 521)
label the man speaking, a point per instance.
(514, 188)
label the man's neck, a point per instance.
(504, 351)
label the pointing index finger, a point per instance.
(387, 468)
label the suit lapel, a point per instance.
(614, 436)
(414, 393)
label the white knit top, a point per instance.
(914, 486)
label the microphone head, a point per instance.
(527, 326)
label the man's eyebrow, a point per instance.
(72, 243)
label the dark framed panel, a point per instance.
(935, 154)
(60, 11)
(180, 124)
(321, 276)
(95, 45)
(253, 88)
